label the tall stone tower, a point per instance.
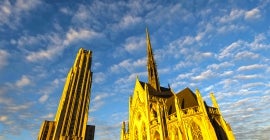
(158, 113)
(70, 121)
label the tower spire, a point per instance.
(151, 65)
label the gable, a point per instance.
(187, 98)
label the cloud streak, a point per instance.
(3, 58)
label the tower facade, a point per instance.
(71, 118)
(158, 113)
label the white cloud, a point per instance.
(259, 42)
(3, 58)
(3, 118)
(255, 84)
(246, 77)
(183, 47)
(43, 98)
(65, 10)
(100, 96)
(228, 83)
(46, 91)
(250, 67)
(128, 65)
(204, 75)
(208, 88)
(184, 76)
(198, 56)
(229, 50)
(96, 65)
(44, 54)
(48, 116)
(227, 73)
(131, 78)
(11, 13)
(253, 14)
(99, 77)
(16, 108)
(82, 14)
(234, 15)
(96, 105)
(6, 10)
(123, 64)
(231, 27)
(98, 101)
(246, 55)
(134, 44)
(54, 43)
(129, 20)
(220, 65)
(199, 36)
(24, 81)
(27, 41)
(182, 64)
(125, 22)
(3, 99)
(81, 34)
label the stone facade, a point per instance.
(159, 113)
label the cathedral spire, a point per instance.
(151, 65)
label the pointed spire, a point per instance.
(151, 65)
(214, 101)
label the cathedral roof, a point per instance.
(187, 98)
(163, 93)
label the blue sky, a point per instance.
(221, 47)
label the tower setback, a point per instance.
(72, 114)
(158, 113)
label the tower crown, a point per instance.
(151, 65)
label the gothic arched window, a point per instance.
(196, 131)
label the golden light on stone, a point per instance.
(159, 113)
(71, 118)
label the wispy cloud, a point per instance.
(16, 108)
(233, 15)
(251, 85)
(55, 44)
(80, 34)
(229, 50)
(128, 65)
(48, 89)
(3, 58)
(24, 81)
(251, 67)
(246, 55)
(204, 75)
(99, 77)
(246, 77)
(253, 14)
(134, 44)
(11, 13)
(3, 118)
(220, 65)
(130, 78)
(98, 101)
(127, 21)
(52, 46)
(44, 54)
(43, 98)
(48, 116)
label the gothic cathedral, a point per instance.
(159, 113)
